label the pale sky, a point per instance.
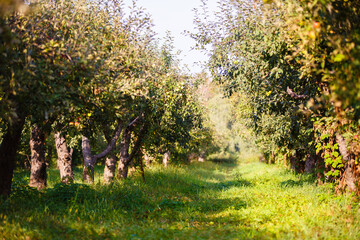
(176, 16)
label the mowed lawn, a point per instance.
(248, 200)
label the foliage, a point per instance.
(93, 66)
(249, 58)
(292, 63)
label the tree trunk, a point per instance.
(271, 158)
(293, 162)
(131, 168)
(147, 158)
(138, 144)
(111, 160)
(64, 159)
(125, 158)
(350, 163)
(124, 162)
(88, 171)
(123, 170)
(8, 150)
(141, 164)
(201, 157)
(166, 158)
(296, 162)
(110, 167)
(38, 164)
(90, 160)
(310, 163)
(342, 146)
(350, 176)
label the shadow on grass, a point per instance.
(226, 162)
(305, 179)
(80, 211)
(195, 230)
(230, 184)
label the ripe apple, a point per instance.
(316, 25)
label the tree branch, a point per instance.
(294, 95)
(111, 144)
(138, 143)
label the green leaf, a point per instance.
(335, 154)
(339, 57)
(328, 160)
(324, 136)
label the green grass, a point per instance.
(250, 200)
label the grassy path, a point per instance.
(201, 201)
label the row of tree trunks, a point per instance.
(38, 177)
(8, 150)
(311, 162)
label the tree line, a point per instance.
(292, 70)
(89, 73)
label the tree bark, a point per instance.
(111, 160)
(271, 158)
(123, 166)
(201, 157)
(293, 163)
(147, 158)
(296, 163)
(285, 160)
(64, 159)
(310, 163)
(128, 159)
(141, 164)
(131, 168)
(90, 160)
(294, 95)
(38, 164)
(350, 176)
(166, 158)
(350, 163)
(342, 146)
(8, 150)
(110, 167)
(138, 143)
